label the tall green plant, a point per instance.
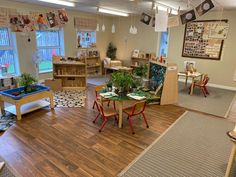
(111, 51)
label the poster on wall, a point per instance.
(204, 7)
(28, 23)
(219, 30)
(197, 42)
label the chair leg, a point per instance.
(130, 124)
(145, 120)
(203, 91)
(205, 88)
(108, 103)
(114, 105)
(103, 124)
(116, 121)
(96, 118)
(94, 103)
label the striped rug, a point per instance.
(195, 145)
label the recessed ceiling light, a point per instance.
(59, 2)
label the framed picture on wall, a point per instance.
(198, 42)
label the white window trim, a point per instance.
(13, 46)
(60, 47)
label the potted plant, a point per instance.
(111, 51)
(141, 71)
(135, 84)
(109, 85)
(27, 80)
(122, 81)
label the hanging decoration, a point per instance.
(52, 20)
(113, 29)
(173, 21)
(188, 16)
(145, 18)
(161, 21)
(63, 17)
(103, 28)
(97, 29)
(204, 7)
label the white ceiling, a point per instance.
(136, 6)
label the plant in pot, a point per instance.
(27, 80)
(122, 81)
(109, 85)
(111, 51)
(141, 71)
(135, 84)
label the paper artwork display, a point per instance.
(16, 23)
(204, 7)
(63, 17)
(199, 44)
(188, 16)
(52, 20)
(173, 21)
(4, 17)
(219, 30)
(145, 18)
(161, 21)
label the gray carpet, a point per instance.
(217, 103)
(100, 80)
(195, 146)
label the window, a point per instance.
(164, 44)
(86, 39)
(49, 43)
(8, 54)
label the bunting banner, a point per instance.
(204, 7)
(188, 17)
(145, 18)
(52, 19)
(161, 21)
(173, 21)
(63, 17)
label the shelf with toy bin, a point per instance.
(71, 71)
(140, 58)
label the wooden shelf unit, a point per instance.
(72, 73)
(135, 62)
(92, 61)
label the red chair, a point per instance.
(98, 89)
(202, 85)
(106, 114)
(136, 109)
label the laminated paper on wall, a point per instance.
(173, 21)
(161, 21)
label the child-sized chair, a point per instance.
(202, 85)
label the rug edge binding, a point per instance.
(151, 145)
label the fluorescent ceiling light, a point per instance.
(59, 2)
(113, 12)
(166, 8)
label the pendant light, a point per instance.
(97, 29)
(113, 29)
(103, 26)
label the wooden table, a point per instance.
(190, 75)
(118, 68)
(26, 104)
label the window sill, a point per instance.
(45, 72)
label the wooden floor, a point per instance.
(66, 142)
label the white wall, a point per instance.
(26, 49)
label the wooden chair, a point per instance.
(98, 89)
(202, 85)
(137, 109)
(106, 114)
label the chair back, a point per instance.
(98, 89)
(139, 107)
(205, 79)
(100, 107)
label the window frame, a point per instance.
(159, 43)
(12, 46)
(61, 48)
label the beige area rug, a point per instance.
(195, 145)
(217, 103)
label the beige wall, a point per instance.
(220, 72)
(145, 40)
(26, 49)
